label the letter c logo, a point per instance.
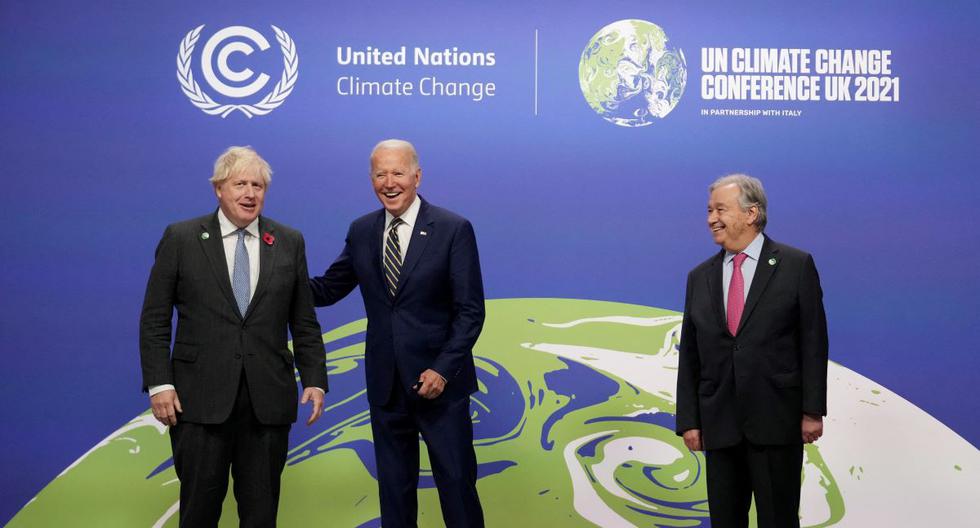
(224, 53)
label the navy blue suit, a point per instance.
(431, 323)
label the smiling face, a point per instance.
(395, 177)
(732, 227)
(241, 196)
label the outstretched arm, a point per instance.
(339, 279)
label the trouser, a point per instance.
(447, 430)
(770, 473)
(255, 453)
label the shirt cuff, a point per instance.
(319, 389)
(157, 389)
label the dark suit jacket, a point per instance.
(214, 343)
(760, 383)
(437, 314)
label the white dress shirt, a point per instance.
(753, 251)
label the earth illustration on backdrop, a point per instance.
(573, 426)
(629, 75)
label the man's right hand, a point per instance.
(165, 407)
(692, 439)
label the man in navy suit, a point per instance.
(419, 272)
(752, 370)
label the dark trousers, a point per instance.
(770, 473)
(448, 433)
(254, 452)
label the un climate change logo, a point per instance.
(217, 44)
(628, 74)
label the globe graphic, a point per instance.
(573, 426)
(629, 75)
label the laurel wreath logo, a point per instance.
(209, 106)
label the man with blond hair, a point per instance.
(226, 384)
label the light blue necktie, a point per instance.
(239, 276)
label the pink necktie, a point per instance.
(736, 293)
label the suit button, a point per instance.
(238, 356)
(736, 348)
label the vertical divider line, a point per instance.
(535, 71)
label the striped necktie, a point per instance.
(393, 257)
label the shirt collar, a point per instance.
(753, 250)
(228, 228)
(409, 216)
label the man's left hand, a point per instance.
(812, 428)
(315, 395)
(431, 384)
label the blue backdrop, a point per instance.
(100, 150)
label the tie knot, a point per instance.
(241, 232)
(395, 222)
(739, 259)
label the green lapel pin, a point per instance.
(772, 261)
(205, 236)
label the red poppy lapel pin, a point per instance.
(268, 238)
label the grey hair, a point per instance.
(236, 160)
(750, 193)
(397, 144)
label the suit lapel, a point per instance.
(267, 262)
(768, 261)
(214, 249)
(421, 232)
(715, 281)
(377, 257)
